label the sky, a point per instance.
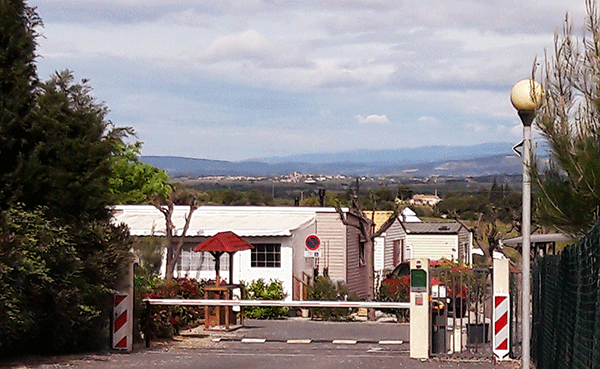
(241, 79)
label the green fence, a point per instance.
(566, 307)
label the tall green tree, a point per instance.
(18, 79)
(59, 254)
(72, 149)
(59, 249)
(569, 190)
(133, 181)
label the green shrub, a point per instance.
(166, 321)
(324, 289)
(259, 290)
(55, 282)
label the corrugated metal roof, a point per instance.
(432, 227)
(251, 221)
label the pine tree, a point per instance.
(59, 254)
(73, 146)
(18, 80)
(569, 191)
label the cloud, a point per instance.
(476, 127)
(303, 66)
(373, 119)
(430, 121)
(254, 46)
(190, 17)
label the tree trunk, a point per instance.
(367, 230)
(174, 246)
(370, 269)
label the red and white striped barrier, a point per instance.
(121, 323)
(332, 304)
(501, 326)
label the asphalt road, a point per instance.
(289, 344)
(323, 331)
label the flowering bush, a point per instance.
(166, 321)
(395, 289)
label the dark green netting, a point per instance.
(566, 307)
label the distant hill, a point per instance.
(424, 154)
(425, 161)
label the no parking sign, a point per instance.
(312, 244)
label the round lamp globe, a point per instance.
(527, 95)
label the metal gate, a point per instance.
(461, 312)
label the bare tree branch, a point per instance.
(167, 208)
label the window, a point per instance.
(208, 262)
(189, 260)
(266, 255)
(193, 261)
(361, 253)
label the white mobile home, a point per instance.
(278, 234)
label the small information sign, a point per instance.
(311, 254)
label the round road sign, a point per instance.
(313, 242)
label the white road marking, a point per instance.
(344, 342)
(302, 341)
(253, 340)
(391, 342)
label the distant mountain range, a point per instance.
(425, 154)
(485, 159)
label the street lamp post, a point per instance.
(526, 96)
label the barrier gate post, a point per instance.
(419, 309)
(501, 339)
(122, 322)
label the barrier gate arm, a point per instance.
(271, 303)
(316, 304)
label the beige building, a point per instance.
(430, 200)
(439, 240)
